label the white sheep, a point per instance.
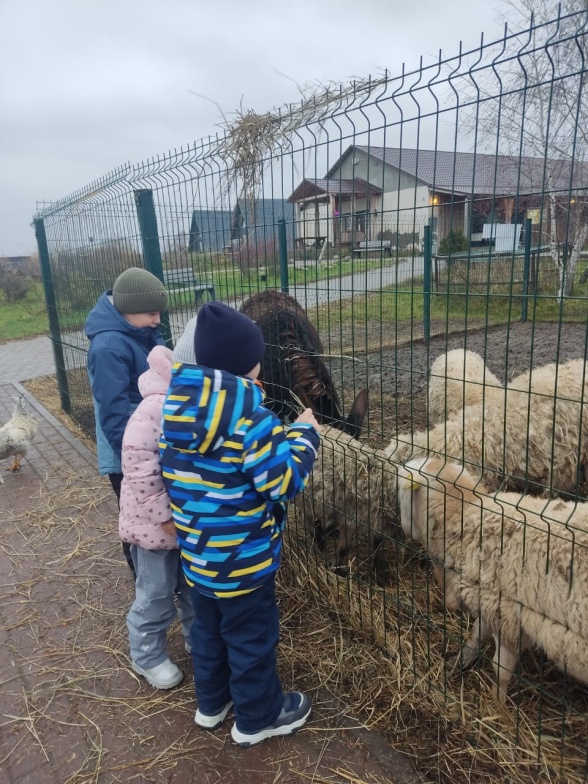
(352, 486)
(517, 563)
(534, 433)
(457, 379)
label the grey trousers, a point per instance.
(160, 587)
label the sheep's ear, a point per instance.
(354, 421)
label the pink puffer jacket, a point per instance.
(144, 503)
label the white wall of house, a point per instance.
(404, 203)
(408, 205)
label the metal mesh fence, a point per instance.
(442, 209)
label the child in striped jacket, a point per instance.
(229, 467)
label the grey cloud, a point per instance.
(86, 87)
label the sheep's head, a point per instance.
(432, 494)
(337, 490)
(410, 485)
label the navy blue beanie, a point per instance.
(227, 340)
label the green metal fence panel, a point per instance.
(441, 210)
(53, 315)
(151, 249)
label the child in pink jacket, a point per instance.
(146, 523)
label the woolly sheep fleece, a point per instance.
(519, 562)
(457, 379)
(533, 433)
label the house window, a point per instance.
(478, 222)
(355, 222)
(360, 219)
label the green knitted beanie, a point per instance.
(138, 291)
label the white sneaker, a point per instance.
(165, 676)
(294, 714)
(212, 722)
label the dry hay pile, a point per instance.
(382, 650)
(385, 651)
(66, 592)
(66, 623)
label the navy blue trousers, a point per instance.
(234, 652)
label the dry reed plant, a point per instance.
(250, 140)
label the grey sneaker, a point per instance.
(165, 676)
(212, 722)
(296, 710)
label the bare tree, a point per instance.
(535, 105)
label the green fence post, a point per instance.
(51, 304)
(283, 250)
(151, 250)
(526, 269)
(427, 258)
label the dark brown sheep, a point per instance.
(293, 364)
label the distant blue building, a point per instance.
(213, 230)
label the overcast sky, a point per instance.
(86, 85)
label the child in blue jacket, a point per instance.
(229, 467)
(122, 328)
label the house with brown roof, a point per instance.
(374, 193)
(23, 264)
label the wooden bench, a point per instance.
(380, 247)
(176, 280)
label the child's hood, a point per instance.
(104, 317)
(155, 381)
(205, 407)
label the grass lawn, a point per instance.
(23, 319)
(389, 306)
(473, 298)
(380, 320)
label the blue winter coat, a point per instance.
(116, 358)
(229, 466)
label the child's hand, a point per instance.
(307, 417)
(169, 527)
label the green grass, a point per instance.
(23, 319)
(391, 306)
(472, 298)
(370, 322)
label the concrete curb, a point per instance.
(48, 416)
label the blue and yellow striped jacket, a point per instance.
(229, 466)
